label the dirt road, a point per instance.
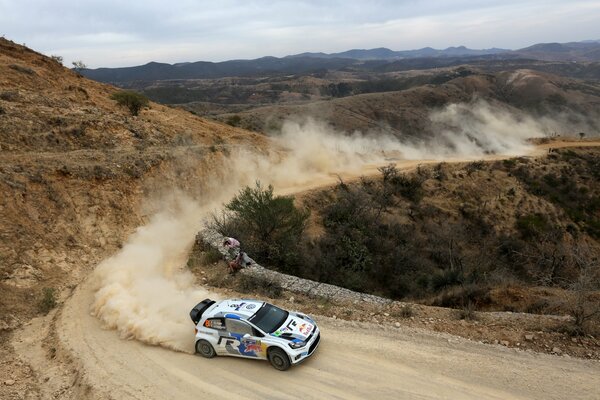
(354, 361)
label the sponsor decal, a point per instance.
(237, 306)
(214, 323)
(291, 325)
(281, 331)
(231, 344)
(251, 346)
(305, 329)
(251, 306)
(237, 345)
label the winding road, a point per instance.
(354, 361)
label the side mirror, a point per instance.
(246, 336)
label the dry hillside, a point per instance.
(78, 174)
(74, 167)
(406, 112)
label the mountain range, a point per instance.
(383, 53)
(379, 59)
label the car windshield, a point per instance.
(269, 318)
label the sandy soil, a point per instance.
(353, 361)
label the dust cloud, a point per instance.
(465, 130)
(144, 291)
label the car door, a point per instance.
(242, 340)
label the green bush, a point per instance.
(510, 163)
(48, 300)
(467, 312)
(446, 278)
(475, 166)
(269, 227)
(532, 225)
(212, 256)
(407, 311)
(234, 120)
(410, 187)
(132, 100)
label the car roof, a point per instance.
(236, 308)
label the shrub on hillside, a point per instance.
(270, 227)
(409, 186)
(234, 120)
(56, 58)
(582, 299)
(22, 69)
(532, 225)
(48, 300)
(132, 100)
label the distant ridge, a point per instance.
(588, 50)
(378, 59)
(383, 53)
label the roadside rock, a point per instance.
(529, 338)
(292, 283)
(9, 382)
(9, 322)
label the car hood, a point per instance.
(296, 327)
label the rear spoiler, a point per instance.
(197, 311)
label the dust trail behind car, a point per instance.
(141, 289)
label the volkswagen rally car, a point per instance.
(254, 329)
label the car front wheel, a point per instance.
(205, 349)
(279, 359)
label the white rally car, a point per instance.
(254, 329)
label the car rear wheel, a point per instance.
(279, 360)
(205, 349)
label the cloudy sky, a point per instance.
(114, 33)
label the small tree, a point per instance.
(56, 58)
(132, 100)
(79, 66)
(48, 300)
(270, 227)
(581, 135)
(581, 302)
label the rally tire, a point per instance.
(205, 349)
(279, 359)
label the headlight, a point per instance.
(296, 345)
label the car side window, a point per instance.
(237, 326)
(215, 323)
